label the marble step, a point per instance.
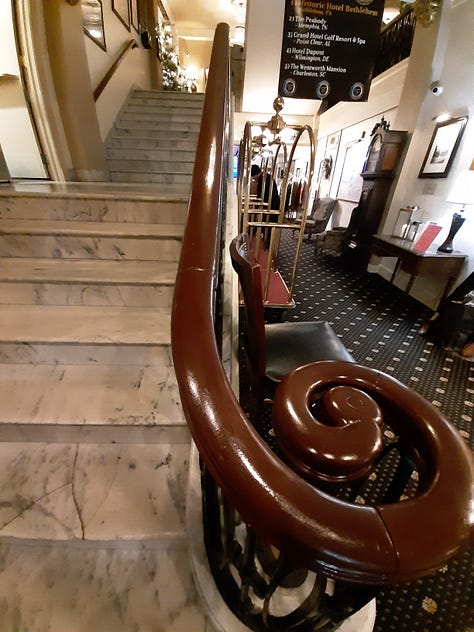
(180, 183)
(141, 163)
(162, 144)
(137, 123)
(163, 105)
(94, 240)
(35, 281)
(83, 404)
(158, 115)
(166, 209)
(168, 156)
(164, 135)
(45, 334)
(190, 98)
(82, 587)
(93, 492)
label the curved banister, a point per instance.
(128, 46)
(310, 526)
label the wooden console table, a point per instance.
(442, 265)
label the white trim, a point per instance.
(24, 11)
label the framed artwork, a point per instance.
(333, 140)
(134, 14)
(93, 21)
(442, 148)
(121, 9)
(350, 184)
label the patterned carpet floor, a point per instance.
(380, 324)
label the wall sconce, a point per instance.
(426, 11)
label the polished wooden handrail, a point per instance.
(344, 541)
(131, 44)
(282, 507)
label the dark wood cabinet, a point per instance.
(380, 166)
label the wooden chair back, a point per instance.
(253, 331)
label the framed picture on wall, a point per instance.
(350, 184)
(121, 9)
(442, 148)
(333, 140)
(134, 14)
(93, 21)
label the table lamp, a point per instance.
(462, 193)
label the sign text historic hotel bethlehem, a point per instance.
(328, 49)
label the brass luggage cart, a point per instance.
(257, 215)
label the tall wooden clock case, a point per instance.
(380, 166)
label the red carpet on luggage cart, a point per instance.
(278, 296)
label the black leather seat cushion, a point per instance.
(290, 345)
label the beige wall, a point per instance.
(64, 66)
(66, 47)
(133, 71)
(440, 52)
(452, 65)
(354, 122)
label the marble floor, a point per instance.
(95, 540)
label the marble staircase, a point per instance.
(154, 138)
(94, 448)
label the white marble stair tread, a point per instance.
(48, 587)
(157, 133)
(99, 271)
(84, 324)
(164, 95)
(90, 229)
(97, 395)
(93, 492)
(161, 115)
(90, 191)
(162, 210)
(170, 156)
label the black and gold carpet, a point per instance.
(380, 325)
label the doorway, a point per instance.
(18, 138)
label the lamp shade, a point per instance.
(463, 188)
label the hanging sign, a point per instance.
(329, 49)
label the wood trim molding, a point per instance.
(131, 44)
